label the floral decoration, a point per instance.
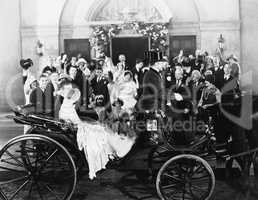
(158, 33)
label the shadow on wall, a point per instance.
(11, 90)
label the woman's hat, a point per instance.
(26, 63)
(232, 56)
(81, 60)
(74, 94)
(63, 76)
(119, 101)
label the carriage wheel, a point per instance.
(185, 177)
(157, 157)
(78, 156)
(36, 167)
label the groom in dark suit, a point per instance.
(153, 89)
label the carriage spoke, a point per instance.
(199, 169)
(52, 154)
(173, 194)
(14, 170)
(30, 190)
(20, 188)
(191, 195)
(15, 158)
(47, 160)
(39, 192)
(28, 159)
(51, 191)
(172, 177)
(197, 188)
(3, 195)
(169, 186)
(10, 163)
(200, 179)
(183, 195)
(14, 180)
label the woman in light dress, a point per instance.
(99, 143)
(119, 74)
(127, 92)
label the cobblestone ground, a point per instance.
(114, 185)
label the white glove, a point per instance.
(178, 97)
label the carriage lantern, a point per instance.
(221, 42)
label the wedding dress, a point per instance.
(98, 142)
(127, 92)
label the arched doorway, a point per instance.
(117, 12)
(105, 12)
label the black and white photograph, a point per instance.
(128, 99)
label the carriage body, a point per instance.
(49, 150)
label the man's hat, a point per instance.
(150, 57)
(26, 63)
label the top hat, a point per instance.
(150, 57)
(26, 63)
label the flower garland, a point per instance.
(158, 33)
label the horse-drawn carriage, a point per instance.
(45, 162)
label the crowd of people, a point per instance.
(73, 89)
(155, 82)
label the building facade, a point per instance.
(194, 24)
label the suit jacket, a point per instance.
(100, 88)
(228, 98)
(219, 78)
(182, 90)
(37, 102)
(153, 91)
(49, 98)
(196, 90)
(169, 77)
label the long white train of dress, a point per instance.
(98, 142)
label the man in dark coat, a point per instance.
(153, 90)
(38, 98)
(100, 89)
(177, 90)
(219, 77)
(138, 75)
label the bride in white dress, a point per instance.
(100, 143)
(127, 91)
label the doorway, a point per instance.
(131, 47)
(187, 43)
(73, 47)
